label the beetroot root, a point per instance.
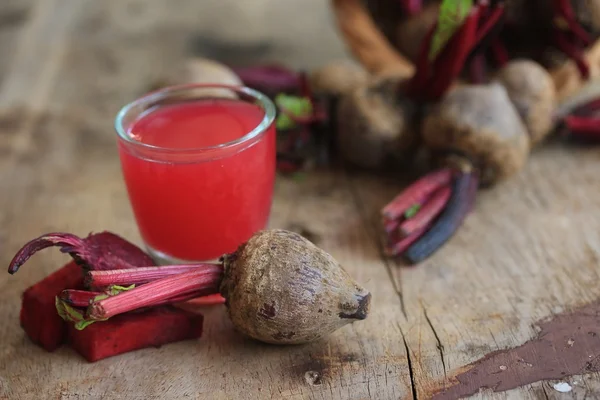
(531, 89)
(375, 125)
(282, 289)
(480, 123)
(337, 78)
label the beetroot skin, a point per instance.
(98, 251)
(134, 331)
(38, 315)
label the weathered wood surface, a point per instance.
(530, 250)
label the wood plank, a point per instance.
(530, 250)
(67, 177)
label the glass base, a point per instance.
(161, 258)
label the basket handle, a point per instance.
(366, 42)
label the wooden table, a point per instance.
(529, 251)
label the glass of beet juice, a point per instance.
(199, 166)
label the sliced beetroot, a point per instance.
(38, 315)
(98, 251)
(134, 331)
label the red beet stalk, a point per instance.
(411, 7)
(400, 246)
(583, 127)
(78, 298)
(569, 35)
(140, 275)
(206, 281)
(417, 193)
(98, 251)
(457, 208)
(426, 214)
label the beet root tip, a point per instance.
(362, 310)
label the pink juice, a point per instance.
(200, 209)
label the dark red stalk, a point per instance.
(564, 9)
(98, 251)
(419, 80)
(452, 58)
(206, 281)
(417, 193)
(569, 35)
(572, 52)
(78, 298)
(124, 277)
(477, 69)
(459, 205)
(397, 248)
(490, 22)
(426, 214)
(499, 52)
(583, 127)
(411, 7)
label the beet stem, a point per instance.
(427, 213)
(208, 300)
(417, 193)
(564, 10)
(141, 275)
(157, 291)
(67, 242)
(478, 69)
(400, 246)
(459, 205)
(490, 22)
(78, 298)
(452, 60)
(572, 52)
(499, 52)
(411, 7)
(419, 80)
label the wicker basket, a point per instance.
(368, 40)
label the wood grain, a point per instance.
(529, 250)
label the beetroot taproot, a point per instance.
(481, 123)
(337, 78)
(375, 125)
(531, 90)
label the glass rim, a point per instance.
(264, 101)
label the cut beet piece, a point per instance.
(38, 316)
(134, 331)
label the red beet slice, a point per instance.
(98, 251)
(134, 331)
(38, 314)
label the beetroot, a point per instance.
(98, 251)
(134, 331)
(278, 288)
(38, 315)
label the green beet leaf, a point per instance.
(452, 15)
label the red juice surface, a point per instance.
(200, 210)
